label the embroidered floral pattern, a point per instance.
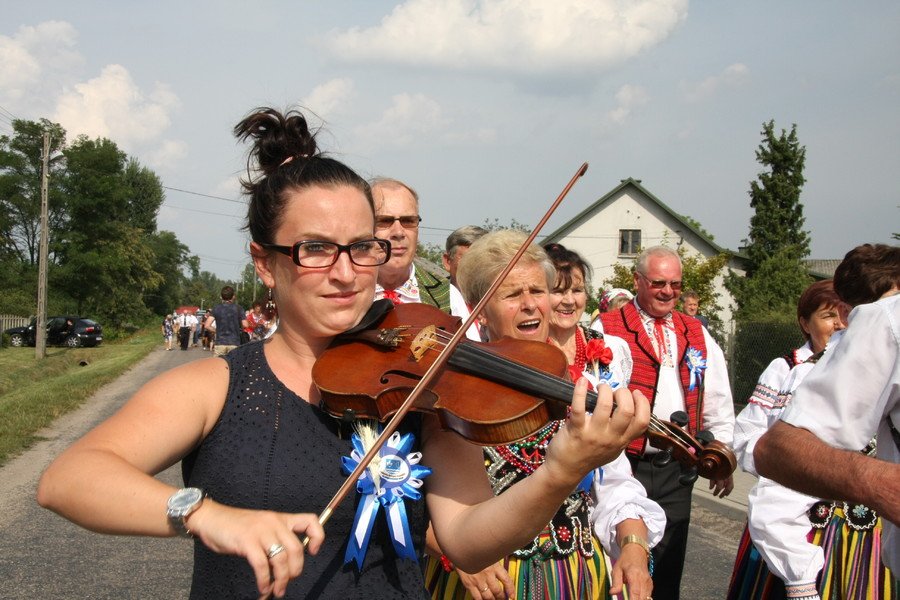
(569, 530)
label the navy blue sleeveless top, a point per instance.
(272, 450)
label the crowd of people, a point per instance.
(589, 504)
(222, 328)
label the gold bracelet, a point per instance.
(635, 539)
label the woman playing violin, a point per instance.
(259, 456)
(603, 515)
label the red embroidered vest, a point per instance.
(626, 323)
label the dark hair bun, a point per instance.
(276, 137)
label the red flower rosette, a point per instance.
(392, 296)
(575, 374)
(597, 352)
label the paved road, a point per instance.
(45, 556)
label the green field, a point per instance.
(35, 392)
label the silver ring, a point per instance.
(275, 550)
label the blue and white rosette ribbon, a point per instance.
(696, 364)
(399, 477)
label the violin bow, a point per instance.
(391, 426)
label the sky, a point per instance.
(485, 107)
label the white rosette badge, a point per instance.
(393, 475)
(696, 364)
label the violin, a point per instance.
(490, 393)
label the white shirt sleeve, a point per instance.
(778, 525)
(620, 496)
(718, 406)
(846, 397)
(757, 416)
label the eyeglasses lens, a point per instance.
(658, 284)
(407, 222)
(366, 253)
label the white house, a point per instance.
(614, 228)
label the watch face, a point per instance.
(184, 499)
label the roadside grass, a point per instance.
(33, 393)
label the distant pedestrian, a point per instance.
(168, 331)
(229, 321)
(257, 323)
(690, 304)
(185, 324)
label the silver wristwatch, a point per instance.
(181, 504)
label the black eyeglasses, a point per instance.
(658, 284)
(407, 221)
(316, 254)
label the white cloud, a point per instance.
(168, 155)
(732, 76)
(113, 106)
(330, 97)
(413, 118)
(628, 98)
(520, 36)
(409, 116)
(30, 54)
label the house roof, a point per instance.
(821, 268)
(635, 183)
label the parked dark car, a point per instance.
(70, 331)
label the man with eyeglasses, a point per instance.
(679, 367)
(397, 220)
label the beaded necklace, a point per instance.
(580, 352)
(528, 454)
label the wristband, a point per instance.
(446, 564)
(636, 539)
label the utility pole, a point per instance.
(40, 324)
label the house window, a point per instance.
(629, 242)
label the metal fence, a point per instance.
(749, 348)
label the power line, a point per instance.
(12, 116)
(165, 187)
(205, 212)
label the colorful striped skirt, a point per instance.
(853, 569)
(534, 578)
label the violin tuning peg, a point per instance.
(661, 458)
(706, 436)
(680, 418)
(688, 476)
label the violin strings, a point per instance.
(656, 424)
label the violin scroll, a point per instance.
(702, 455)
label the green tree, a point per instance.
(170, 258)
(21, 165)
(108, 265)
(775, 275)
(772, 293)
(144, 195)
(777, 222)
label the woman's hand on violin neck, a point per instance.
(589, 440)
(257, 535)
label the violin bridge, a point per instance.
(423, 342)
